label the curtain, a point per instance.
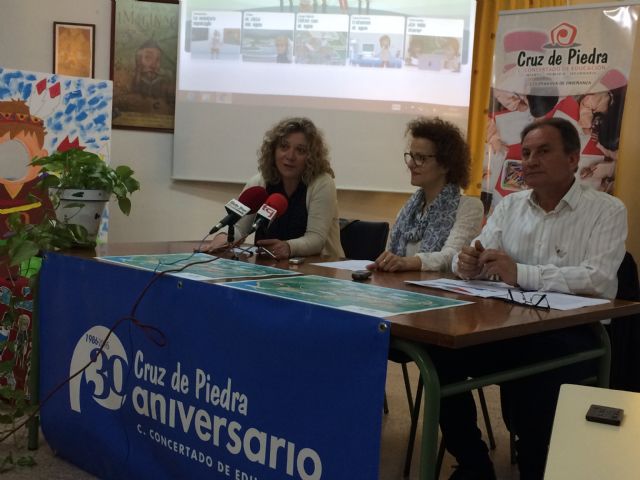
(483, 47)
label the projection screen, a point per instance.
(360, 70)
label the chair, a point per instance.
(363, 240)
(435, 391)
(415, 410)
(624, 335)
(624, 332)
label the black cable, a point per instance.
(145, 328)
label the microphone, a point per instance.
(275, 205)
(247, 202)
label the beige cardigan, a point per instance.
(323, 229)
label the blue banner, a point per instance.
(226, 384)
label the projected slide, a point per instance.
(334, 50)
(360, 70)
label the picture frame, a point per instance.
(74, 49)
(144, 49)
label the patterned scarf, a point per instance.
(432, 227)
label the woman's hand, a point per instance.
(280, 249)
(388, 262)
(219, 242)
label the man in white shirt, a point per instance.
(559, 236)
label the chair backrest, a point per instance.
(628, 285)
(363, 240)
(624, 332)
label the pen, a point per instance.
(268, 252)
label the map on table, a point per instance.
(347, 295)
(200, 266)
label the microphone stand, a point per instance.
(236, 245)
(230, 241)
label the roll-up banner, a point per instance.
(572, 63)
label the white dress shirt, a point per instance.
(575, 248)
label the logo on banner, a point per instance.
(535, 50)
(563, 35)
(104, 375)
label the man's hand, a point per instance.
(468, 261)
(497, 264)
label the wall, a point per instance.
(628, 168)
(628, 173)
(167, 210)
(163, 209)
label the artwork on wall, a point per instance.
(143, 64)
(39, 114)
(74, 49)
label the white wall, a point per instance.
(163, 209)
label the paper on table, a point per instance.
(346, 264)
(477, 288)
(486, 289)
(564, 301)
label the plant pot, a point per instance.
(82, 207)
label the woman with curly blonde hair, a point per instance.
(294, 161)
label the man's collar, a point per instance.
(571, 198)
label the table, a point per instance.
(198, 380)
(592, 451)
(484, 321)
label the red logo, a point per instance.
(564, 35)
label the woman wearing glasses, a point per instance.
(437, 221)
(294, 161)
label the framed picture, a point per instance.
(144, 47)
(74, 49)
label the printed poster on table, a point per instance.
(572, 63)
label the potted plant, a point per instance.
(72, 177)
(81, 183)
(19, 263)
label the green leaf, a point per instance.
(9, 394)
(6, 419)
(7, 464)
(26, 461)
(125, 205)
(23, 251)
(132, 184)
(5, 367)
(123, 171)
(50, 181)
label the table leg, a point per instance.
(433, 391)
(431, 409)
